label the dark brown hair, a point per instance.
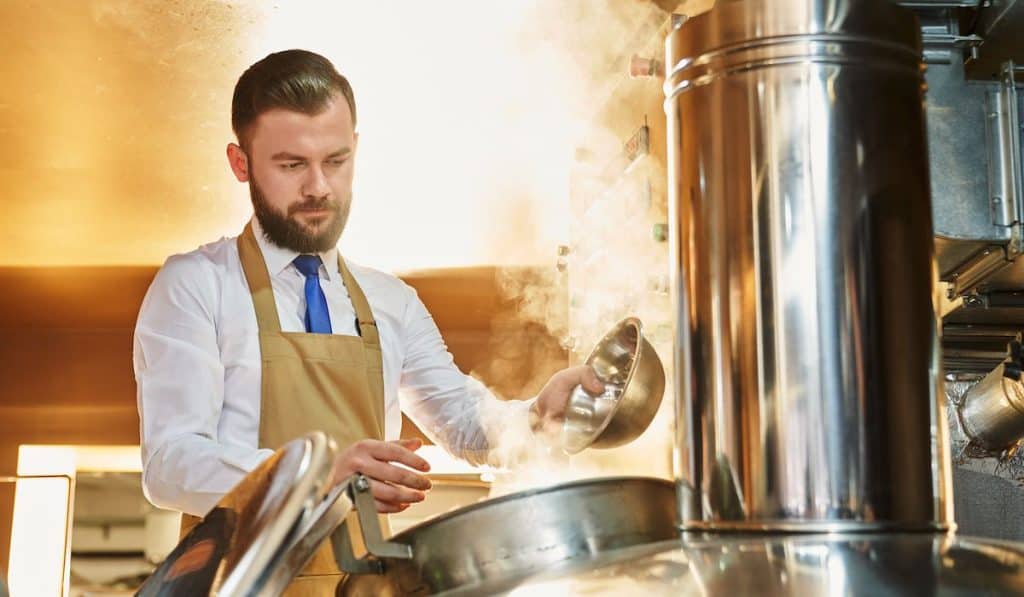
(296, 80)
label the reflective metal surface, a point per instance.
(798, 565)
(587, 416)
(635, 384)
(802, 237)
(262, 533)
(992, 412)
(506, 539)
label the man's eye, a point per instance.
(337, 162)
(291, 165)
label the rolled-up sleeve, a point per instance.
(454, 410)
(180, 392)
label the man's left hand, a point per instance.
(548, 412)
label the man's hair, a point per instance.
(296, 80)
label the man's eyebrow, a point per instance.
(286, 156)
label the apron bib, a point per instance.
(313, 382)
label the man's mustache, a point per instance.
(314, 204)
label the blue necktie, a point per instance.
(318, 320)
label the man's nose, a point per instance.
(315, 184)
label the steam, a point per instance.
(617, 263)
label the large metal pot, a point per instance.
(519, 534)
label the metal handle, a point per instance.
(358, 488)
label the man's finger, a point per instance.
(383, 471)
(410, 443)
(386, 492)
(396, 452)
(389, 507)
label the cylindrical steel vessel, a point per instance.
(807, 344)
(992, 413)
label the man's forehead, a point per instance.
(283, 129)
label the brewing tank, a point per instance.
(800, 225)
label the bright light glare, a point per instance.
(41, 526)
(39, 531)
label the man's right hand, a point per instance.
(393, 487)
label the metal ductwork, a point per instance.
(992, 411)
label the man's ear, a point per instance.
(238, 161)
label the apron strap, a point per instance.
(255, 269)
(367, 326)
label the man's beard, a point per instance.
(285, 231)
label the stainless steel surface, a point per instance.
(370, 530)
(972, 349)
(976, 174)
(635, 383)
(587, 416)
(798, 565)
(802, 242)
(992, 412)
(261, 534)
(982, 264)
(969, 455)
(956, 118)
(507, 538)
(942, 40)
(989, 499)
(1004, 156)
(976, 201)
(973, 224)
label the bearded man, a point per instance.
(248, 342)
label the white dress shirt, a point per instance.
(197, 369)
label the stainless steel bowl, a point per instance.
(634, 385)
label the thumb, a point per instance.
(585, 376)
(590, 381)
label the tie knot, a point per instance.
(309, 265)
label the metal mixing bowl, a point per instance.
(634, 385)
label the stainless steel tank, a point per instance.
(801, 228)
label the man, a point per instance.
(248, 342)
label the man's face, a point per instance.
(300, 175)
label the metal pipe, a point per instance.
(807, 347)
(992, 412)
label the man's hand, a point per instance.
(393, 487)
(548, 412)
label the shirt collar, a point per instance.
(279, 258)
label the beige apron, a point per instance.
(327, 382)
